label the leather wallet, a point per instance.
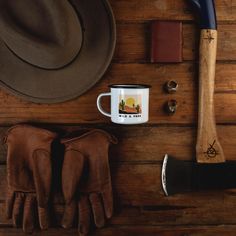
(166, 41)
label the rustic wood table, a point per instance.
(140, 205)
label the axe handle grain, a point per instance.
(208, 148)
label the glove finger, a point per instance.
(29, 214)
(107, 198)
(18, 209)
(98, 212)
(71, 174)
(69, 215)
(42, 179)
(10, 203)
(84, 215)
(44, 218)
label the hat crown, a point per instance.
(44, 33)
(44, 29)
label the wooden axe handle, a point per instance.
(208, 148)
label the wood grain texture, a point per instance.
(207, 134)
(132, 49)
(83, 109)
(133, 42)
(140, 205)
(136, 10)
(177, 141)
(136, 230)
(145, 203)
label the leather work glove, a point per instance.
(86, 180)
(28, 175)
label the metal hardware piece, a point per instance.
(171, 86)
(171, 106)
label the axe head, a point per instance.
(206, 12)
(180, 176)
(176, 175)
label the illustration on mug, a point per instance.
(130, 104)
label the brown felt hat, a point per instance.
(54, 50)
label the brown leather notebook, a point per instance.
(166, 41)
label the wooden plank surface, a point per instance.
(133, 48)
(145, 203)
(150, 144)
(140, 205)
(83, 109)
(137, 230)
(136, 10)
(133, 42)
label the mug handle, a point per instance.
(99, 106)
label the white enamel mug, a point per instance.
(129, 103)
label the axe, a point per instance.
(211, 171)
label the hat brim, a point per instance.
(53, 86)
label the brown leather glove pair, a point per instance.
(86, 181)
